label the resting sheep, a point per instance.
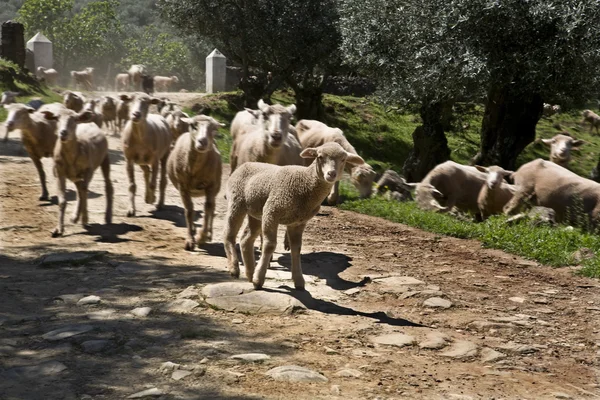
(163, 83)
(547, 184)
(592, 118)
(84, 78)
(73, 100)
(146, 142)
(194, 167)
(561, 146)
(80, 150)
(314, 133)
(122, 82)
(263, 141)
(397, 186)
(38, 136)
(271, 196)
(50, 75)
(495, 193)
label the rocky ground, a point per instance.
(390, 312)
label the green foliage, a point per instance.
(47, 16)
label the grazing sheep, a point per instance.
(95, 116)
(194, 167)
(561, 146)
(163, 83)
(123, 110)
(135, 75)
(177, 123)
(84, 78)
(38, 136)
(495, 193)
(391, 181)
(314, 133)
(547, 184)
(272, 195)
(592, 118)
(9, 97)
(108, 108)
(264, 141)
(122, 82)
(50, 75)
(73, 100)
(146, 142)
(81, 148)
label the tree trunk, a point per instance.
(430, 144)
(508, 126)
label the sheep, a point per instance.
(272, 195)
(84, 78)
(50, 75)
(177, 123)
(163, 83)
(244, 121)
(391, 181)
(561, 146)
(550, 110)
(123, 110)
(166, 107)
(122, 82)
(108, 108)
(495, 193)
(194, 167)
(314, 133)
(9, 97)
(146, 142)
(592, 118)
(73, 100)
(135, 73)
(95, 116)
(81, 149)
(263, 142)
(38, 136)
(547, 184)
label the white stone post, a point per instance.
(42, 51)
(215, 72)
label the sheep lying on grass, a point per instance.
(561, 146)
(495, 193)
(271, 196)
(194, 166)
(391, 181)
(81, 148)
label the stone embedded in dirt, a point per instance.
(335, 390)
(180, 306)
(461, 349)
(141, 312)
(241, 297)
(491, 355)
(437, 302)
(70, 298)
(188, 293)
(168, 366)
(180, 374)
(365, 353)
(330, 351)
(77, 257)
(66, 332)
(455, 396)
(517, 299)
(251, 357)
(397, 283)
(395, 339)
(348, 373)
(146, 393)
(237, 321)
(38, 371)
(352, 291)
(88, 300)
(517, 348)
(561, 395)
(583, 254)
(101, 315)
(94, 346)
(435, 340)
(295, 373)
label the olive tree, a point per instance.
(412, 49)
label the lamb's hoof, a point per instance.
(44, 197)
(56, 233)
(160, 206)
(74, 219)
(257, 285)
(131, 213)
(150, 198)
(189, 245)
(235, 274)
(201, 239)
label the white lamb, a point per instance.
(495, 193)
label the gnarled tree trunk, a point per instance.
(508, 125)
(430, 144)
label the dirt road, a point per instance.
(390, 311)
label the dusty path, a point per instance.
(514, 329)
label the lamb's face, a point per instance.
(140, 107)
(330, 160)
(561, 146)
(18, 116)
(202, 132)
(277, 122)
(495, 175)
(68, 121)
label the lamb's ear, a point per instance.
(262, 106)
(30, 110)
(189, 121)
(292, 109)
(548, 141)
(507, 173)
(255, 113)
(155, 100)
(481, 169)
(49, 115)
(84, 117)
(354, 159)
(578, 142)
(309, 152)
(125, 97)
(437, 194)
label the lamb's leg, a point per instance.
(332, 199)
(108, 189)
(247, 245)
(513, 206)
(77, 211)
(163, 182)
(149, 195)
(82, 194)
(40, 169)
(269, 229)
(295, 235)
(132, 188)
(205, 235)
(188, 205)
(62, 205)
(233, 223)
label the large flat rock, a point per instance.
(77, 257)
(294, 373)
(241, 297)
